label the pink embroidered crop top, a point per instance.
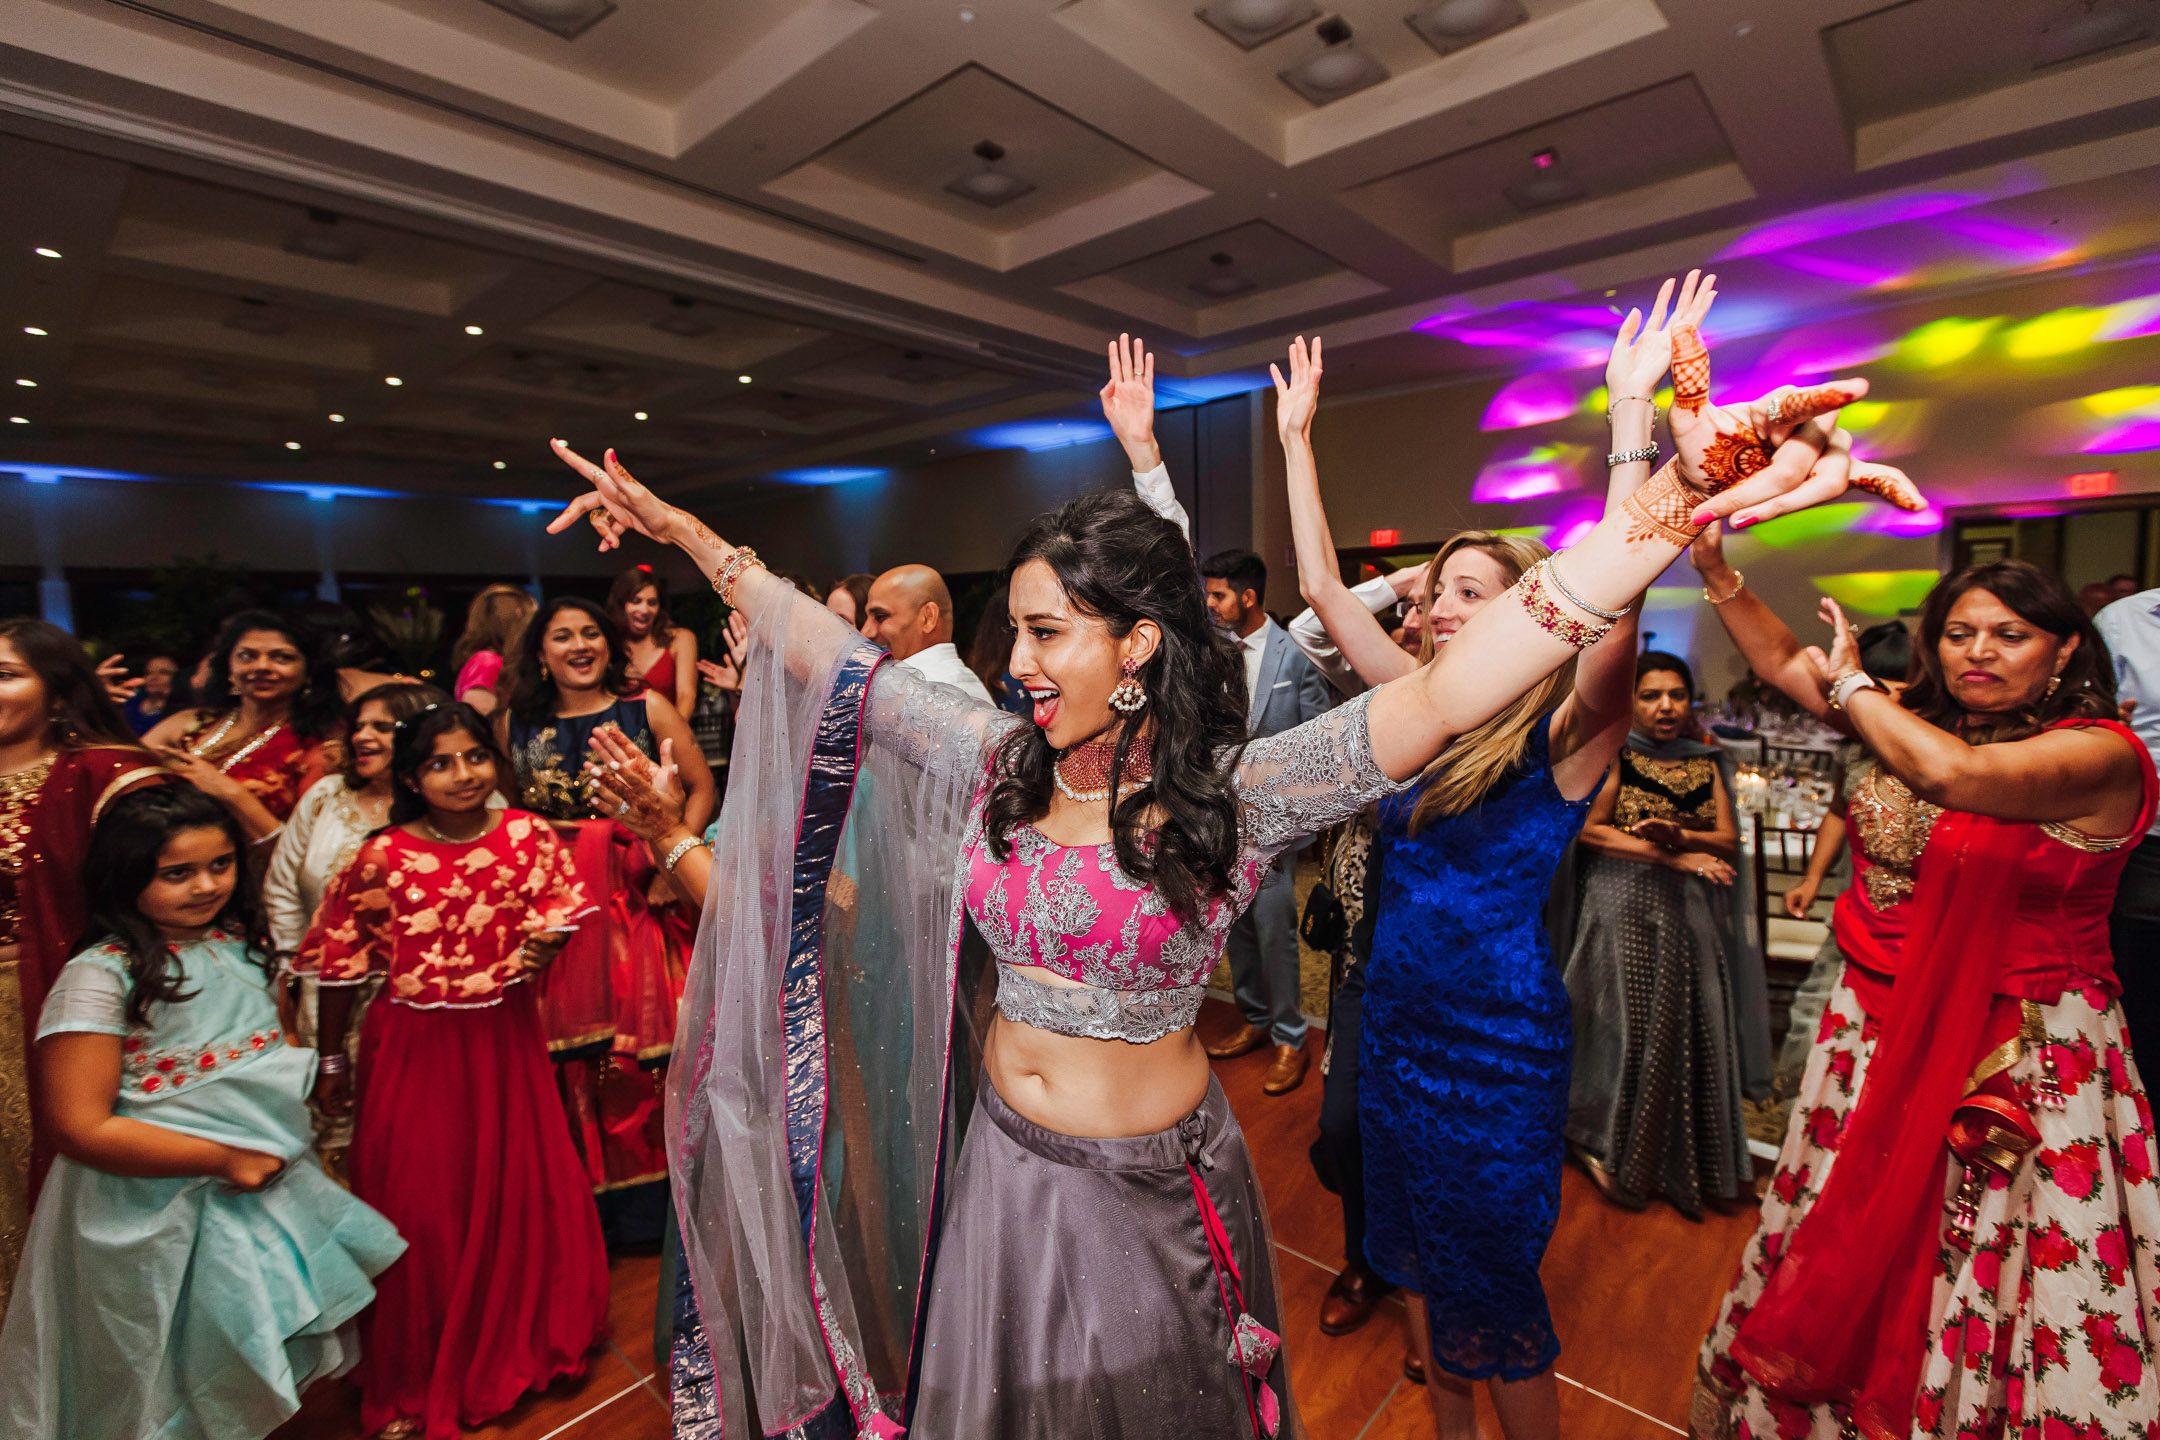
(1139, 973)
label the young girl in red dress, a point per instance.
(458, 1139)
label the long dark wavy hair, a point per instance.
(532, 688)
(2041, 600)
(318, 709)
(123, 859)
(416, 742)
(82, 713)
(1121, 563)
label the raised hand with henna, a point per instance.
(1764, 459)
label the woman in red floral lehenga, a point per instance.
(1960, 1236)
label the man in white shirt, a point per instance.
(910, 613)
(2131, 627)
(1283, 690)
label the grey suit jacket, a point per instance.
(1291, 689)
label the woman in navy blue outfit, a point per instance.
(1464, 1055)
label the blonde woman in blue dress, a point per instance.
(190, 1269)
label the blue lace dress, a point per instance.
(1463, 1083)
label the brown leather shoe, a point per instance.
(1288, 1071)
(1243, 1041)
(1350, 1301)
(1413, 1369)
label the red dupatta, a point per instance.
(1844, 1316)
(49, 890)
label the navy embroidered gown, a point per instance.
(1463, 1083)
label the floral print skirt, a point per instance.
(2045, 1331)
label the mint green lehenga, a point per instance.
(181, 1308)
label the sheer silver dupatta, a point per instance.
(807, 1102)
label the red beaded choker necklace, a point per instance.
(1083, 774)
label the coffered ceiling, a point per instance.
(909, 221)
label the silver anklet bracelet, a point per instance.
(1553, 571)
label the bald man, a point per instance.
(910, 613)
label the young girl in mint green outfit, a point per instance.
(190, 1269)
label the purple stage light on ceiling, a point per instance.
(1889, 520)
(1518, 472)
(2137, 435)
(1868, 275)
(1534, 399)
(2029, 247)
(2128, 319)
(1832, 221)
(1828, 349)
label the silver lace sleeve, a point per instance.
(937, 728)
(1296, 784)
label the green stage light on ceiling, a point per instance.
(2059, 332)
(1805, 527)
(1944, 342)
(1878, 592)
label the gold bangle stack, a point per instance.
(730, 571)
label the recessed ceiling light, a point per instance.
(1222, 279)
(2091, 27)
(292, 444)
(1742, 29)
(27, 384)
(742, 379)
(637, 415)
(474, 330)
(989, 185)
(320, 239)
(48, 252)
(337, 419)
(1453, 24)
(567, 18)
(680, 321)
(391, 380)
(33, 330)
(502, 464)
(1250, 24)
(1548, 184)
(1341, 69)
(967, 17)
(18, 419)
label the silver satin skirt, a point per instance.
(1079, 1292)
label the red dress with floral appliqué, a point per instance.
(457, 1136)
(2043, 1298)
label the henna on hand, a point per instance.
(1690, 370)
(1888, 483)
(1660, 510)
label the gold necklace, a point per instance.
(428, 822)
(225, 766)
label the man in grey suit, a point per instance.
(1283, 689)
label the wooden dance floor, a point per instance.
(1631, 1295)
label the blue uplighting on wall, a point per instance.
(54, 474)
(1177, 393)
(1039, 434)
(830, 475)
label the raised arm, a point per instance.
(1379, 595)
(1767, 643)
(1360, 637)
(1749, 459)
(1128, 403)
(2087, 778)
(668, 726)
(1593, 720)
(916, 718)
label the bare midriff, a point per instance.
(1100, 1088)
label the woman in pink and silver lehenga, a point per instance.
(906, 1203)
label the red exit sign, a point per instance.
(1386, 537)
(2092, 482)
